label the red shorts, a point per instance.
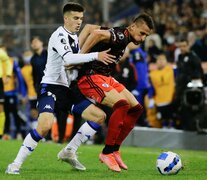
(94, 86)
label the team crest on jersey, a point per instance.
(105, 85)
(120, 35)
(66, 47)
(63, 41)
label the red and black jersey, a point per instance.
(119, 40)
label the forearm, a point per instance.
(74, 59)
(125, 55)
(90, 42)
(88, 28)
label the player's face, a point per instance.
(36, 44)
(73, 21)
(161, 61)
(139, 32)
(184, 47)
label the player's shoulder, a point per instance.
(120, 33)
(3, 54)
(59, 32)
(118, 29)
(58, 35)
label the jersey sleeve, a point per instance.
(119, 36)
(62, 46)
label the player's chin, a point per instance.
(77, 29)
(137, 42)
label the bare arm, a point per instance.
(95, 37)
(88, 28)
(129, 48)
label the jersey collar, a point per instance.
(69, 31)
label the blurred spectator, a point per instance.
(162, 91)
(188, 69)
(138, 57)
(153, 51)
(155, 39)
(200, 44)
(38, 60)
(31, 93)
(12, 88)
(4, 58)
(176, 15)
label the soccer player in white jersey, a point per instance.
(55, 95)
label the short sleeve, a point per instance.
(61, 44)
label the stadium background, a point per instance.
(22, 19)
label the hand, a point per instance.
(106, 58)
(68, 67)
(6, 79)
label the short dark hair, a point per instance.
(182, 37)
(36, 37)
(72, 6)
(144, 17)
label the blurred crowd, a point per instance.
(149, 71)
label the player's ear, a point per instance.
(133, 26)
(65, 17)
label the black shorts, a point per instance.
(54, 98)
(1, 91)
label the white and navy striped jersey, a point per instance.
(62, 50)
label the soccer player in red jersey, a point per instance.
(95, 82)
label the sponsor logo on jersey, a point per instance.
(60, 34)
(120, 35)
(105, 85)
(63, 41)
(66, 47)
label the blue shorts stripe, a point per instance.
(35, 135)
(94, 125)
